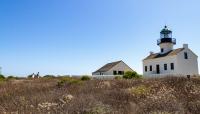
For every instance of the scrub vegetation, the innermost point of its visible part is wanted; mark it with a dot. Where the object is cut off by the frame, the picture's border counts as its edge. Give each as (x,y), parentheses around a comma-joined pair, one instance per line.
(66,95)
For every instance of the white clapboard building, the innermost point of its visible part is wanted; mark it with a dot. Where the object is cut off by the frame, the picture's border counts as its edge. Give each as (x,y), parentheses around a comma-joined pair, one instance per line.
(169,61)
(114,68)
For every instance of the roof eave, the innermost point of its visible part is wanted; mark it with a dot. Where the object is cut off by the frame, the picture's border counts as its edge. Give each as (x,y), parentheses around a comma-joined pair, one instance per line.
(161,57)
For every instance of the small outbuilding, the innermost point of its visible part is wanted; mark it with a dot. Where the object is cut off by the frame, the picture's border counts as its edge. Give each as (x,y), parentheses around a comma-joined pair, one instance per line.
(114,68)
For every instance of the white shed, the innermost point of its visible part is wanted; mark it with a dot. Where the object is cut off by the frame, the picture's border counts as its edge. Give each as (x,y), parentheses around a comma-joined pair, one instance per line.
(114,68)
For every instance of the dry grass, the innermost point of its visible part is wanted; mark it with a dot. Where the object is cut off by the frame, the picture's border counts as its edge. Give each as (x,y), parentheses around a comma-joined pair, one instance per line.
(169,95)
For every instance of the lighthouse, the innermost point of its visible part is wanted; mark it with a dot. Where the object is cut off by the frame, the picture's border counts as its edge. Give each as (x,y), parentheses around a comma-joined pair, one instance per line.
(169,61)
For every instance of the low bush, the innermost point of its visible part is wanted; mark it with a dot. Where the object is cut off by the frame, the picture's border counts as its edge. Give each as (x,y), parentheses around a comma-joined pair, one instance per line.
(29,76)
(49,76)
(131,75)
(118,77)
(85,78)
(68,80)
(2,78)
(165,95)
(139,90)
(11,78)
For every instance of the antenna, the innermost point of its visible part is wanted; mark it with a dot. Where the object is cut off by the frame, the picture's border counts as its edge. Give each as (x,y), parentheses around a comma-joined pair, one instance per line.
(165,23)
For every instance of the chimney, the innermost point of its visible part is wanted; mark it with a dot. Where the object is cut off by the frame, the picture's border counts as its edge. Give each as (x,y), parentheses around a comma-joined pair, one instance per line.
(185,46)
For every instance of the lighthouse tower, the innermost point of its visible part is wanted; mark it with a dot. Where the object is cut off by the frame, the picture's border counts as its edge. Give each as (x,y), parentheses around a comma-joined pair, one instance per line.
(166,42)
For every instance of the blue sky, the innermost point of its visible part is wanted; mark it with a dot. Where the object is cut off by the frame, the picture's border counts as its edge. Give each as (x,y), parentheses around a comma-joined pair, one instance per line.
(79,36)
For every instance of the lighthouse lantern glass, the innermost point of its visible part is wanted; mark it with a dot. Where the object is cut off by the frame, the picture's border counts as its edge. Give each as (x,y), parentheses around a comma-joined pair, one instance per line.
(166,35)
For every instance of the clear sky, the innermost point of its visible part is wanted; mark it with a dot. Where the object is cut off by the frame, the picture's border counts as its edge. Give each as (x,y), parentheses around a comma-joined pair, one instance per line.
(79,36)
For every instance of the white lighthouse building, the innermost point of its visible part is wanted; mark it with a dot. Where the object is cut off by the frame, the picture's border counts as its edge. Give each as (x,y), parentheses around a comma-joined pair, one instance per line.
(169,61)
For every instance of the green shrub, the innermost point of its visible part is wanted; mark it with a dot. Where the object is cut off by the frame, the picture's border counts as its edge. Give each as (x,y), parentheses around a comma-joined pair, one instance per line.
(140,90)
(68,80)
(85,78)
(49,76)
(131,75)
(60,83)
(118,77)
(29,76)
(2,78)
(63,80)
(11,78)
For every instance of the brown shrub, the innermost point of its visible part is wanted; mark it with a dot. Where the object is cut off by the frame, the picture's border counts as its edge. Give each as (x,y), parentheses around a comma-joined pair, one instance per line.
(155,95)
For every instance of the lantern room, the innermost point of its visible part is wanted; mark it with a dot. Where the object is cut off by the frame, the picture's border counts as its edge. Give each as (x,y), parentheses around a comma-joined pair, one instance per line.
(166,37)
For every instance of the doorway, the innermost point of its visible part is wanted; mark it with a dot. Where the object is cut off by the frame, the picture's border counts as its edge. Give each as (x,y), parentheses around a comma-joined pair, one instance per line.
(158,69)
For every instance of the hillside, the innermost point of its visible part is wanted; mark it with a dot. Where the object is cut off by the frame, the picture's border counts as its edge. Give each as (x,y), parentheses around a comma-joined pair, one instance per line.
(167,95)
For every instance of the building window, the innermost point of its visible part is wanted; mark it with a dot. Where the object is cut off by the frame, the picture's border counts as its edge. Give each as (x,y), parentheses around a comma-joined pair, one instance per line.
(162,49)
(185,55)
(165,66)
(114,72)
(172,66)
(145,68)
(158,69)
(150,68)
(120,72)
